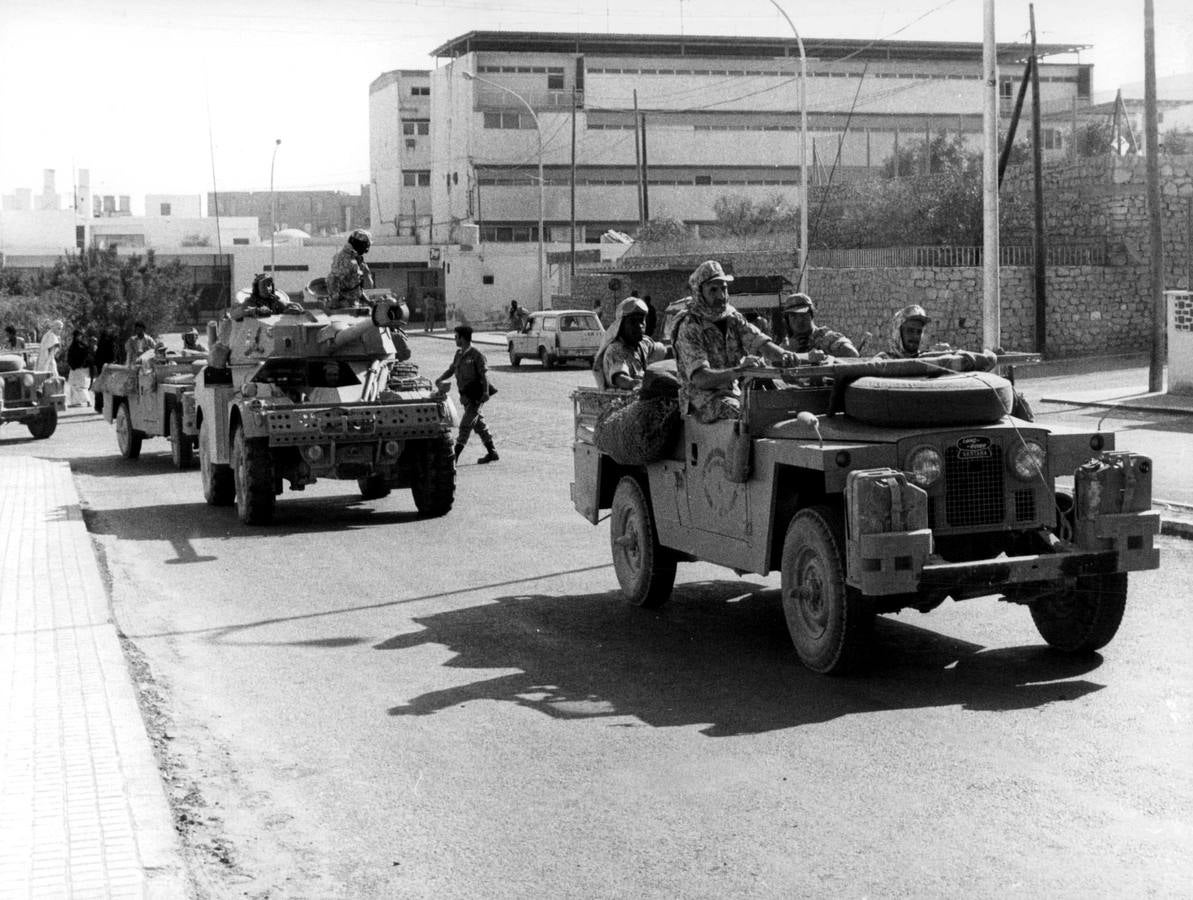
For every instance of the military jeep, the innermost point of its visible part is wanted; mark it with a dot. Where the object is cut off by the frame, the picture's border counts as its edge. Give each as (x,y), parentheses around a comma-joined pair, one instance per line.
(877,486)
(151,397)
(34,398)
(307,394)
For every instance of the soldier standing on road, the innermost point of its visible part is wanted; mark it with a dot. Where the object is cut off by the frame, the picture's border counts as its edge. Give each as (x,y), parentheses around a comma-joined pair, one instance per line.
(803,334)
(714,344)
(470,368)
(350,275)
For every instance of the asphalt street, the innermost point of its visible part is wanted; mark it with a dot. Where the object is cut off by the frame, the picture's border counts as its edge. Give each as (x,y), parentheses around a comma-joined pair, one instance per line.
(354,702)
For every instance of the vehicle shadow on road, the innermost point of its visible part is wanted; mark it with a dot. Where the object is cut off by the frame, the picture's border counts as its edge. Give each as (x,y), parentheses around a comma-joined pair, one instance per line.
(718,656)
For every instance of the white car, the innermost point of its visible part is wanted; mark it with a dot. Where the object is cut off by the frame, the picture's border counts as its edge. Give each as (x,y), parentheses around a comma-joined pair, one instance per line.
(555,336)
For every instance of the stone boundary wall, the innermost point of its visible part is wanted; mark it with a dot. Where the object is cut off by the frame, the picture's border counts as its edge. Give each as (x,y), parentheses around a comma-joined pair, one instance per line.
(1091,309)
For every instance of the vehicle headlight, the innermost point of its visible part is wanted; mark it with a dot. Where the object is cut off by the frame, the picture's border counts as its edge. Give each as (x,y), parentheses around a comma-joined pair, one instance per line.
(1028,461)
(924,466)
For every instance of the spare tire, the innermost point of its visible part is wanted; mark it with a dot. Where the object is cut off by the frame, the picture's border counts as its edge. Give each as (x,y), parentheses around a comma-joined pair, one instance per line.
(972,398)
(11,363)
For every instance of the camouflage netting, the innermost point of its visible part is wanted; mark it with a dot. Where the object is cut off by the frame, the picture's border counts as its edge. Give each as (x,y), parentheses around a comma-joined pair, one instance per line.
(636,431)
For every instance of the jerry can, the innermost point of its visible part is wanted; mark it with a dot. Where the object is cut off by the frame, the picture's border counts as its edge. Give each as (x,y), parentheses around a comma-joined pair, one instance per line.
(1112,499)
(887,535)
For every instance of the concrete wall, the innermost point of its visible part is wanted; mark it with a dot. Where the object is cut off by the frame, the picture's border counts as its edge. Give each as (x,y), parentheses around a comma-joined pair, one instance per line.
(1180,342)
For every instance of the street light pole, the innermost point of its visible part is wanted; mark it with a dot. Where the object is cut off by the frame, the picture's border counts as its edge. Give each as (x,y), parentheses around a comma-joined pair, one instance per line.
(469,76)
(803,151)
(273,208)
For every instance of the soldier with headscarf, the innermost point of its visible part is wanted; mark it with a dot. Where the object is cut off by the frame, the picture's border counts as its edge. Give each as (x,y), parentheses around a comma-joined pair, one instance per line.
(905,340)
(714,344)
(350,275)
(804,335)
(625,350)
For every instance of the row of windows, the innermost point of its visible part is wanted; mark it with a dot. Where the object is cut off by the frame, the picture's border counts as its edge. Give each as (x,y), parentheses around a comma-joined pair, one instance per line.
(420,90)
(416,178)
(416,127)
(686,181)
(758,73)
(508,120)
(526,70)
(509,234)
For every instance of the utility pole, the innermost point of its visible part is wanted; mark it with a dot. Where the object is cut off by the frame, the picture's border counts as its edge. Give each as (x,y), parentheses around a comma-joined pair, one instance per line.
(1151,132)
(1037,165)
(638,160)
(645,176)
(571,283)
(991,300)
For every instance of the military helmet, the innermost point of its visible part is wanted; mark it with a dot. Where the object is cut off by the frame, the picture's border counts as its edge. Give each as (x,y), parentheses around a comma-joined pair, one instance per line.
(360,240)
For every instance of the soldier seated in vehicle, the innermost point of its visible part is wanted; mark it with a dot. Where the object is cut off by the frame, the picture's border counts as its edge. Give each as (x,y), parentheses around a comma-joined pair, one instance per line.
(804,335)
(265,300)
(714,345)
(625,350)
(191,347)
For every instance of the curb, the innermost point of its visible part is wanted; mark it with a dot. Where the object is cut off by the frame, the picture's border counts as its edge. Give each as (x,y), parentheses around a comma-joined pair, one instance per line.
(1176,519)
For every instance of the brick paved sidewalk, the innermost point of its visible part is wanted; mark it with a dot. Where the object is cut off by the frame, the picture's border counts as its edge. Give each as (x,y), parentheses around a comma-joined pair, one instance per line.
(82,808)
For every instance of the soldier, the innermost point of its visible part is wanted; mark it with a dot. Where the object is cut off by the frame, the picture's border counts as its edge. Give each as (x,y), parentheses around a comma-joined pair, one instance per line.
(191,345)
(714,344)
(138,344)
(626,350)
(907,334)
(472,380)
(350,275)
(11,340)
(265,300)
(803,334)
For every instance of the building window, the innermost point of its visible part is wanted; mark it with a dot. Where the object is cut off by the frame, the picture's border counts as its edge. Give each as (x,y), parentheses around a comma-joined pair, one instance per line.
(486,279)
(237,240)
(416,127)
(507,120)
(509,234)
(555,79)
(411,143)
(420,91)
(1053,139)
(417,178)
(1006,89)
(165,209)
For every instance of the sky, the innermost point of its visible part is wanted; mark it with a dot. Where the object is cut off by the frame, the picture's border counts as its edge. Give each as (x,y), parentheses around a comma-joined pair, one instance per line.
(178,96)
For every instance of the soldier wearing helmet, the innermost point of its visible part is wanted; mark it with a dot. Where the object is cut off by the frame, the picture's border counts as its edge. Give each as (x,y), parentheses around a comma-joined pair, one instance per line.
(714,344)
(803,334)
(350,275)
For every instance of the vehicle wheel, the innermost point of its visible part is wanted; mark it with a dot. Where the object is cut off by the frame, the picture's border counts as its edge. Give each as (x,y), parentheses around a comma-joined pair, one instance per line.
(1084,618)
(182,451)
(219,488)
(547,359)
(434,484)
(515,359)
(645,569)
(972,398)
(128,439)
(373,487)
(44,425)
(252,471)
(829,621)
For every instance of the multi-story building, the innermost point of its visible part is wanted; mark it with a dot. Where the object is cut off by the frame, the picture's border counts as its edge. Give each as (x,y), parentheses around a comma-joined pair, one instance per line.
(400,154)
(704,116)
(315,212)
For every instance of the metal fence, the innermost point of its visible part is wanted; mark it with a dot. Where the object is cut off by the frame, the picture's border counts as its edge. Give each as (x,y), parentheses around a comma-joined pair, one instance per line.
(1091,254)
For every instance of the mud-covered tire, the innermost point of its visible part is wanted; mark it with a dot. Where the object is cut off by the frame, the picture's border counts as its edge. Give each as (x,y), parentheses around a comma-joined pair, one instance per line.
(970,398)
(252,474)
(515,359)
(128,439)
(44,425)
(182,451)
(219,489)
(373,487)
(645,569)
(829,622)
(434,483)
(1085,618)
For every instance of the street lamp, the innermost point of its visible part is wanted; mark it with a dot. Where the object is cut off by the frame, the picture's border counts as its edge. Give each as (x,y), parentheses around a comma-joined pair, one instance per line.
(803,151)
(469,76)
(273,208)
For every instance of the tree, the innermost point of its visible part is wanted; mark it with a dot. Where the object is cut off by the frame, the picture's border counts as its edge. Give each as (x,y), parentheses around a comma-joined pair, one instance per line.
(1094,139)
(739,216)
(663,231)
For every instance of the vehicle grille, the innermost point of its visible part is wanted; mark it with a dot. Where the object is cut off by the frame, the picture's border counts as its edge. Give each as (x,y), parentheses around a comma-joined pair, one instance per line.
(1025,505)
(973,488)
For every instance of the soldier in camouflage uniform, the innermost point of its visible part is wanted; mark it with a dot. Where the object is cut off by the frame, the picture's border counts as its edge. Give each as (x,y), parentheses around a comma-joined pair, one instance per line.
(625,350)
(803,334)
(714,344)
(350,275)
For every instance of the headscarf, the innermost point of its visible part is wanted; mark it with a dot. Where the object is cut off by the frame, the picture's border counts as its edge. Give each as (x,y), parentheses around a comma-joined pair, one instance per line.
(704,272)
(630,306)
(895,348)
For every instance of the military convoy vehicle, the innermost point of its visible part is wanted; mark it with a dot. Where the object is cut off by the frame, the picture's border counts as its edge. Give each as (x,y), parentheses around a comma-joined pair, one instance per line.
(153,397)
(34,398)
(308,394)
(877,486)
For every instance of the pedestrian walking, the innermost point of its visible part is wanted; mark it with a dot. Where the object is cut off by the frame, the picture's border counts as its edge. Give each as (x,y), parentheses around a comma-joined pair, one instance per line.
(49,347)
(78,362)
(472,381)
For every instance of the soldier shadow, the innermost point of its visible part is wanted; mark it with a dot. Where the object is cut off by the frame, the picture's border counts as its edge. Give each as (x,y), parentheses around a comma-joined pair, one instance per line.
(718,657)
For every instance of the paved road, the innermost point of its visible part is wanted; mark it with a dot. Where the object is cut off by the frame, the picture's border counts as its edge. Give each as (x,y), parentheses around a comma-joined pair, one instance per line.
(357,703)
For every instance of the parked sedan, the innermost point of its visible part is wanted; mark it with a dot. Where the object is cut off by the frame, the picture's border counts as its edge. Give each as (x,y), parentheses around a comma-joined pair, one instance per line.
(556,336)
